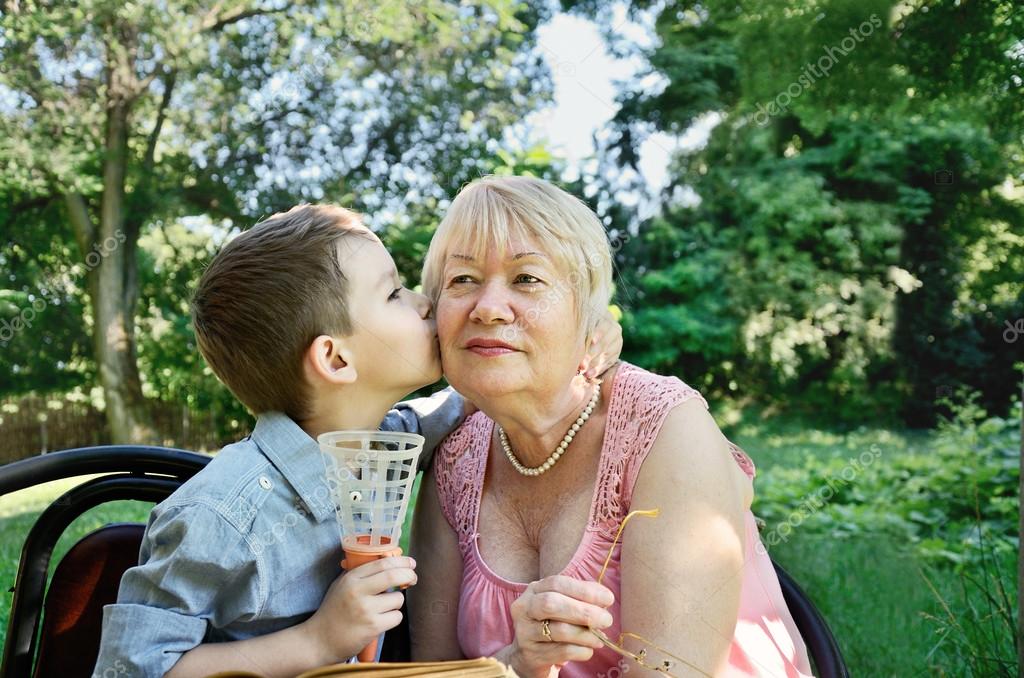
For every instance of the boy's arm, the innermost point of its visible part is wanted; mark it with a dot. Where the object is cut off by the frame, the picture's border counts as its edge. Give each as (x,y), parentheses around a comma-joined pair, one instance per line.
(195,569)
(433,418)
(285,653)
(359,606)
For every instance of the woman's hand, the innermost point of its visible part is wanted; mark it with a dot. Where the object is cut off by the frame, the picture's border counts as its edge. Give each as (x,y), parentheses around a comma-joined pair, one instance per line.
(605,347)
(569,606)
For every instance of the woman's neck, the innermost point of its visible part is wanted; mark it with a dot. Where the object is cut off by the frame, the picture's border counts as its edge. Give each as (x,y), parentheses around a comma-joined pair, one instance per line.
(535,424)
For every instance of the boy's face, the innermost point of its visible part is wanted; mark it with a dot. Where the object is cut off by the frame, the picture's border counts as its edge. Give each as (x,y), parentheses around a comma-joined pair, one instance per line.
(394,340)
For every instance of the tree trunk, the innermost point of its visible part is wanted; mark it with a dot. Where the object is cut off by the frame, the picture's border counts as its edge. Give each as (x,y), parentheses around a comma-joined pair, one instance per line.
(116,293)
(109,252)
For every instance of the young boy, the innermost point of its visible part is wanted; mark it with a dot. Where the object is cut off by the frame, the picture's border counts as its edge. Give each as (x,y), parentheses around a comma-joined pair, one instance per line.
(303,317)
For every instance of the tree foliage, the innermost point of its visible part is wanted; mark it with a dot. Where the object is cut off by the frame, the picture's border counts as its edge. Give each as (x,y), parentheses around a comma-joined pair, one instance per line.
(128,123)
(867,154)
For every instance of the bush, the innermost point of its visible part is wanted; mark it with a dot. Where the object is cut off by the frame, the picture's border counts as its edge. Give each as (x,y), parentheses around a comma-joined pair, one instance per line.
(949,498)
(942,499)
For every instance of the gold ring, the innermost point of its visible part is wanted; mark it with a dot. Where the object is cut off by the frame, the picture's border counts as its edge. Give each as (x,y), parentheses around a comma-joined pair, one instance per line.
(545,630)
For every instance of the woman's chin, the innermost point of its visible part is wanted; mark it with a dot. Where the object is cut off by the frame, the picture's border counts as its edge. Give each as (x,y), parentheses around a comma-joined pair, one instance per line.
(485,379)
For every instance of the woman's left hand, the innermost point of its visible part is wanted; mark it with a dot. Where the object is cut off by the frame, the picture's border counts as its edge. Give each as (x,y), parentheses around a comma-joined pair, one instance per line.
(605,347)
(551,621)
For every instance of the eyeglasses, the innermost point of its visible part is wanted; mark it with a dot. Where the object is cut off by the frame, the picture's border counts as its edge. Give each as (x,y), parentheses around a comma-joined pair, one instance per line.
(650,656)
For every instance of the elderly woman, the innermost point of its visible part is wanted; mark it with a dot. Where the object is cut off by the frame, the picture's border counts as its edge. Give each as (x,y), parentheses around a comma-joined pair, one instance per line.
(525,500)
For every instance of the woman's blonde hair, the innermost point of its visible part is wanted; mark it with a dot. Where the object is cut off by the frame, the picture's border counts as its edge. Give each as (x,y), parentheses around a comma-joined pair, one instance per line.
(488,212)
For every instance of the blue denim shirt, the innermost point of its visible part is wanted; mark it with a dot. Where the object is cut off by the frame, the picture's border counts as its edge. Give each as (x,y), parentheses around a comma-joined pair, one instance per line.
(246,547)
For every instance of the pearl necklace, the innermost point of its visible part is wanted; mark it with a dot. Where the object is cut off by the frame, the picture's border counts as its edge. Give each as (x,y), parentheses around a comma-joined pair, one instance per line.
(570,434)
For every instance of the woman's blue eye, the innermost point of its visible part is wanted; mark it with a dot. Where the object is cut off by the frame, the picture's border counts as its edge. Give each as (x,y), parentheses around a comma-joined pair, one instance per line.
(460,279)
(394,294)
(532,279)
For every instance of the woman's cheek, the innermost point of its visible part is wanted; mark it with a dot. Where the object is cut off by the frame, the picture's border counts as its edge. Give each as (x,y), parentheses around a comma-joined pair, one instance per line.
(449,311)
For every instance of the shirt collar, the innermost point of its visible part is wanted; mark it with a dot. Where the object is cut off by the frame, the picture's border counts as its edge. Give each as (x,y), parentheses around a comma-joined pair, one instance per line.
(299,459)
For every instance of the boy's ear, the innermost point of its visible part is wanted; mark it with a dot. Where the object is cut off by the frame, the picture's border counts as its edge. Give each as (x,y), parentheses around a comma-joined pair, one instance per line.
(330,359)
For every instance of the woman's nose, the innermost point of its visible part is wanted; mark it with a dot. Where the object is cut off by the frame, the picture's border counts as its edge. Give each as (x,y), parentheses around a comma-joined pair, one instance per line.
(492,305)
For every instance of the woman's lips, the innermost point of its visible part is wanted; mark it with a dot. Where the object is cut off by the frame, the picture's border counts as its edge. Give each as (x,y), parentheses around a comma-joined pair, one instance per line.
(491,351)
(489,347)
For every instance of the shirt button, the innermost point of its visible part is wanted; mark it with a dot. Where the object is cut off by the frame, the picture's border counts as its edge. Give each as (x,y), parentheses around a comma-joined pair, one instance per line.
(265,483)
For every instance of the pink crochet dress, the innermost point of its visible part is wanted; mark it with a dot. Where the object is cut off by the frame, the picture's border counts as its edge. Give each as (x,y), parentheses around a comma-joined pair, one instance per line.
(766,641)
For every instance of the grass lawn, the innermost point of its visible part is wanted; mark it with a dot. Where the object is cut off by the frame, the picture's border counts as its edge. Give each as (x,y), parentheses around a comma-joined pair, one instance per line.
(870,589)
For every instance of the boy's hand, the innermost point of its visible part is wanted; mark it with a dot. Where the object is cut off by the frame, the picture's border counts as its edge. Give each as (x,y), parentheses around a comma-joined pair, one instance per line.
(358,607)
(605,347)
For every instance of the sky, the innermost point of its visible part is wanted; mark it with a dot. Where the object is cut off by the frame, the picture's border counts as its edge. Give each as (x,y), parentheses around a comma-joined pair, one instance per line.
(584,77)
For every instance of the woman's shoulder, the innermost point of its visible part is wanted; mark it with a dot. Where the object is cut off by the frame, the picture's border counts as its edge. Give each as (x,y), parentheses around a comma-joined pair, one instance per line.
(641,405)
(653,392)
(676,392)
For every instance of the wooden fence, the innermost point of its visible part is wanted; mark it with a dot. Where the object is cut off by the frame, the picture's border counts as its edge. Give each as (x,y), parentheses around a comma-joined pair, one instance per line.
(34,424)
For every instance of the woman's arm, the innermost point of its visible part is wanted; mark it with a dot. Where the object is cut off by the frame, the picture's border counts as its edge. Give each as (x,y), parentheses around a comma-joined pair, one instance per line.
(682,570)
(434,601)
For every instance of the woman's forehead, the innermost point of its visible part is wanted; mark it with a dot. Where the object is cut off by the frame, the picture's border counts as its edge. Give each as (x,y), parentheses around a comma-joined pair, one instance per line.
(475,248)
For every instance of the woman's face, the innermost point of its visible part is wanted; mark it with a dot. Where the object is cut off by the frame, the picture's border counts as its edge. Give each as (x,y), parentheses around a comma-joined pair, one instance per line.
(507,323)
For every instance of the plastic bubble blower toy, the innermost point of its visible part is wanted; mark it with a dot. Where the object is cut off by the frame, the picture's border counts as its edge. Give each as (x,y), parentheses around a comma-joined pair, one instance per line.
(370,476)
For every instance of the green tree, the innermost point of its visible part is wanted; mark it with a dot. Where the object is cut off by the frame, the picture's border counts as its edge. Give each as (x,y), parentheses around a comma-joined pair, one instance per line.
(115,116)
(867,153)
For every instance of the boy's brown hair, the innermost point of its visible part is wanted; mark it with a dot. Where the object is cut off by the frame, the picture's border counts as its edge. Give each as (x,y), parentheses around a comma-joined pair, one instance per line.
(264,298)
